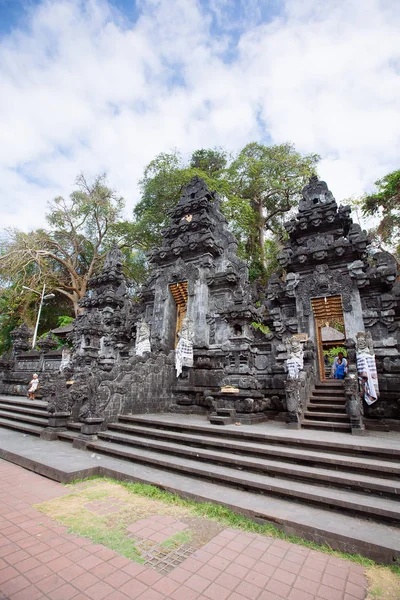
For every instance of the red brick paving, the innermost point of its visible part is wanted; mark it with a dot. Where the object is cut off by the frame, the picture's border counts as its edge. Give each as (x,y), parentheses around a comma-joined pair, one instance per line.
(39,560)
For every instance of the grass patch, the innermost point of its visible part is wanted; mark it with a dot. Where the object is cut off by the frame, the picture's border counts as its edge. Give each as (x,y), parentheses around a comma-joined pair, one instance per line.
(178,539)
(383,584)
(141,500)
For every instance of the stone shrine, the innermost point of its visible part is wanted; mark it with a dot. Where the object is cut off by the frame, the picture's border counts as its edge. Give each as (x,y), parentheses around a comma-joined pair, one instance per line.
(123,359)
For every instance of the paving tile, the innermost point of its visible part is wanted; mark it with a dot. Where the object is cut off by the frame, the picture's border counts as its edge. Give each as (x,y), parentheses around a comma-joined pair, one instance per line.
(99,591)
(248,590)
(117,579)
(65,592)
(278,587)
(28,593)
(38,573)
(84,581)
(284,576)
(258,579)
(103,570)
(197,583)
(48,584)
(167,585)
(335,582)
(306,585)
(133,569)
(328,593)
(71,573)
(237,570)
(133,588)
(149,577)
(116,595)
(180,574)
(184,593)
(295,594)
(151,595)
(216,592)
(227,580)
(8,573)
(14,585)
(209,572)
(355,590)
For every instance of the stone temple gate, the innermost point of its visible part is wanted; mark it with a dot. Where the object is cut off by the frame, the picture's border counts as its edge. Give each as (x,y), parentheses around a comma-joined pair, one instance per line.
(198,299)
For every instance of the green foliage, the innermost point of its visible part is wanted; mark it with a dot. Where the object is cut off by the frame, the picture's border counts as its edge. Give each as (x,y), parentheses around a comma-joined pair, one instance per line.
(161,186)
(64,320)
(333,352)
(385,204)
(10,317)
(67,254)
(263,328)
(265,183)
(257,188)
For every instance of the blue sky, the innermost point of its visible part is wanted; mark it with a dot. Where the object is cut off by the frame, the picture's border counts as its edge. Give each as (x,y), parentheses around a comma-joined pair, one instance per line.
(105,85)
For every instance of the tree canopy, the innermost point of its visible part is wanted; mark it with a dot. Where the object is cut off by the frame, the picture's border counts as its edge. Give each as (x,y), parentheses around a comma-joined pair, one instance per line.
(257,187)
(385,204)
(67,254)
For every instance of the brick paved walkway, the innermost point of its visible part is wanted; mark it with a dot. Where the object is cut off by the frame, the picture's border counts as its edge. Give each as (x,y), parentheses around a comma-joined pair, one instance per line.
(39,560)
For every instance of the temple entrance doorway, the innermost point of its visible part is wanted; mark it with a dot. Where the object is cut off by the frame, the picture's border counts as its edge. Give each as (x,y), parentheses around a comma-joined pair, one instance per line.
(180,294)
(329,326)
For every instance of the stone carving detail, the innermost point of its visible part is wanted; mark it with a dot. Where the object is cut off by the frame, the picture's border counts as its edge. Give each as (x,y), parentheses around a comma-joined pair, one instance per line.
(21,338)
(324,282)
(295,360)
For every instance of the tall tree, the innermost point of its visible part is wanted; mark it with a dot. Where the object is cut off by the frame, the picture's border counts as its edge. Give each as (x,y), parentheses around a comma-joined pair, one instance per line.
(265,183)
(385,204)
(257,187)
(67,254)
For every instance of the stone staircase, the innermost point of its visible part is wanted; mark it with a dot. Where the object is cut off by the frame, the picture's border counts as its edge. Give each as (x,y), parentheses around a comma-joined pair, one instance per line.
(326,408)
(22,414)
(360,481)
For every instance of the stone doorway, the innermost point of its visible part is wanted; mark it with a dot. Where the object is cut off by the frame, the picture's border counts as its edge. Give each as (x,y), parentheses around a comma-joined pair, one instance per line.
(328,312)
(180,294)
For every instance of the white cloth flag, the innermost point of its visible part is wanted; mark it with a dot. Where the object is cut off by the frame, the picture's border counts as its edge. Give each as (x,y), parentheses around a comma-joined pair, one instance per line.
(183,355)
(366,367)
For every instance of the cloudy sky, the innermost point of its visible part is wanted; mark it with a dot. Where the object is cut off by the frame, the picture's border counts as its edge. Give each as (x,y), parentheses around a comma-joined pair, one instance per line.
(105,85)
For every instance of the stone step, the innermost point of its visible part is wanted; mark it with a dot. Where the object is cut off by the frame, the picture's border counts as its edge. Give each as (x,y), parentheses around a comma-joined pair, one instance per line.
(323,476)
(306,456)
(341,531)
(24,418)
(19,426)
(334,393)
(248,434)
(327,426)
(326,416)
(339,408)
(219,420)
(24,410)
(226,412)
(329,383)
(328,399)
(349,501)
(23,401)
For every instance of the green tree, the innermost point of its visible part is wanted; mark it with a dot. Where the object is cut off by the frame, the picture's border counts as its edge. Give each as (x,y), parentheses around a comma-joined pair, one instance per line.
(257,188)
(385,204)
(69,252)
(265,182)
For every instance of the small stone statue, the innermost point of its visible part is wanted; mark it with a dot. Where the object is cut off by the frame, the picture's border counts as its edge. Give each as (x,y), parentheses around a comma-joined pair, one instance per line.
(295,360)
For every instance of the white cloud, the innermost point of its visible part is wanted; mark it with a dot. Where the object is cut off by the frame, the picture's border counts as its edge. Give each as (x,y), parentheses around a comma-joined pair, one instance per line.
(83,90)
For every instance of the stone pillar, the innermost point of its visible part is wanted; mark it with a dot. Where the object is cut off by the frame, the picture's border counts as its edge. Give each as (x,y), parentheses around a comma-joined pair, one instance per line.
(90,428)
